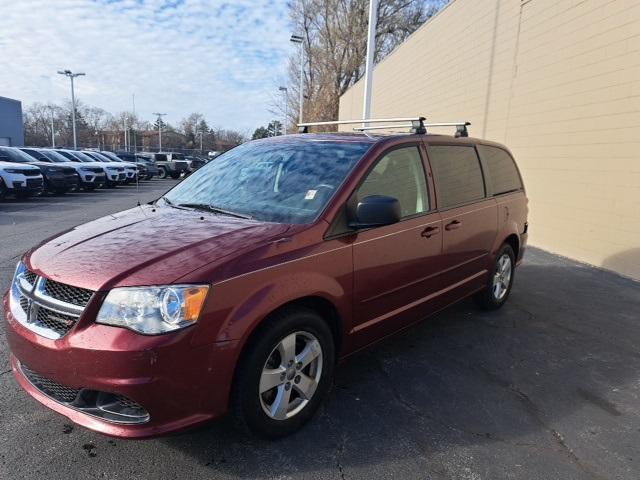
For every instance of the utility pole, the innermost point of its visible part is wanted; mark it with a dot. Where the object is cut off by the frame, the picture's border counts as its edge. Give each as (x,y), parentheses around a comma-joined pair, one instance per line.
(124,125)
(135,143)
(71,75)
(160,115)
(299,40)
(286,109)
(371,50)
(200,133)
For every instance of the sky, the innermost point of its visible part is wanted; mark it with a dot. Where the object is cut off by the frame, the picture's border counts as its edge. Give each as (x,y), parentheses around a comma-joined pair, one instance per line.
(224,59)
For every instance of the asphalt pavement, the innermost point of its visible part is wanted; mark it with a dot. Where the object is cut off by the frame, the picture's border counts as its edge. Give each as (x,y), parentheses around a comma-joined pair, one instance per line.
(546,388)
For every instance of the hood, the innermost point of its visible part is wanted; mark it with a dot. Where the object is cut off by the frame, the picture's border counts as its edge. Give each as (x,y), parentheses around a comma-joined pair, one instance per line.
(25,166)
(145,246)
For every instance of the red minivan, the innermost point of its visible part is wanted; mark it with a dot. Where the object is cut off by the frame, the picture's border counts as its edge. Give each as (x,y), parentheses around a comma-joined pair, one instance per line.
(258,273)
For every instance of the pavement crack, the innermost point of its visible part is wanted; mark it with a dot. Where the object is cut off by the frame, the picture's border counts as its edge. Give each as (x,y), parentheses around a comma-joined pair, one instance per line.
(6,371)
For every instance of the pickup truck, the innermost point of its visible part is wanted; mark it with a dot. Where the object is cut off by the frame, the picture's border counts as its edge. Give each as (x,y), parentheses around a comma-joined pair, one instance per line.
(169,164)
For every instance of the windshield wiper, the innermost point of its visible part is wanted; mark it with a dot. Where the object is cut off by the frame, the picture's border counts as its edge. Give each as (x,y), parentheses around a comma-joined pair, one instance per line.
(211,208)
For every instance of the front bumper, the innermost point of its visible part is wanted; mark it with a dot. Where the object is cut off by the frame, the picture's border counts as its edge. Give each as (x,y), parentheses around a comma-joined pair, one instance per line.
(178,384)
(92,179)
(63,182)
(26,185)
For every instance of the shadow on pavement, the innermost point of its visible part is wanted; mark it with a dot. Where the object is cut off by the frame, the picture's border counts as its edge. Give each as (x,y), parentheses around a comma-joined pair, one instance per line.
(548,384)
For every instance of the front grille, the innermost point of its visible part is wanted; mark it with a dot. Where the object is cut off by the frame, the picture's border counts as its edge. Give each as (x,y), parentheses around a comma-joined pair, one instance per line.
(34,182)
(30,277)
(49,387)
(52,320)
(24,304)
(67,293)
(69,171)
(96,170)
(31,173)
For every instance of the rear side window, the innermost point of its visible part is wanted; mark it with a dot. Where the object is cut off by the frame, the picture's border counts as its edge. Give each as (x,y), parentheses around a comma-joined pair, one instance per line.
(457,174)
(501,170)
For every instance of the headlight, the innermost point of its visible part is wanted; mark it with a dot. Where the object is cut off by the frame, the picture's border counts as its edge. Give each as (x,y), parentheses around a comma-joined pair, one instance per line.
(13,170)
(153,310)
(86,170)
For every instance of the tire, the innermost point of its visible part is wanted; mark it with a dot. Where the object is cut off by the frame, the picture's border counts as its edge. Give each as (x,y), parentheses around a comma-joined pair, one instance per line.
(162,172)
(3,190)
(250,408)
(175,176)
(499,282)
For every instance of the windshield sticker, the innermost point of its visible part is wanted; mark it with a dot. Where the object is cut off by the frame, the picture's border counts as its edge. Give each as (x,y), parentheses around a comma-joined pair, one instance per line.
(311,194)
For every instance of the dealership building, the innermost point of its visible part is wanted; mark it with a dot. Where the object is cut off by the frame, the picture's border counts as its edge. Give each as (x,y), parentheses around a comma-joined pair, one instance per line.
(558,82)
(11,129)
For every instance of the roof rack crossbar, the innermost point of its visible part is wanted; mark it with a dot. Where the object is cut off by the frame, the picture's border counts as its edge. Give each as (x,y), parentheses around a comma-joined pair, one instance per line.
(416,123)
(382,127)
(461,127)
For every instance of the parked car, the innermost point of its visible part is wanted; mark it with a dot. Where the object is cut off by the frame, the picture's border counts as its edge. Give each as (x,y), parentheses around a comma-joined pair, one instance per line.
(255,275)
(114,174)
(142,171)
(147,163)
(130,169)
(57,178)
(90,177)
(195,163)
(54,179)
(169,164)
(19,180)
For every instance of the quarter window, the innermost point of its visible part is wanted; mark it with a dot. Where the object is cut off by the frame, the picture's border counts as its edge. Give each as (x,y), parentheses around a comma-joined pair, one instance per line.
(501,170)
(399,174)
(457,174)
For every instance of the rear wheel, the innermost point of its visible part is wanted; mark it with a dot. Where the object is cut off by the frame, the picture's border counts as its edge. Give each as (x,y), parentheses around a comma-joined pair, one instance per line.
(162,172)
(285,375)
(500,280)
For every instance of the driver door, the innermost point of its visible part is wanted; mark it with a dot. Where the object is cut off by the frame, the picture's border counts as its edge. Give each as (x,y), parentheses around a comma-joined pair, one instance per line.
(396,266)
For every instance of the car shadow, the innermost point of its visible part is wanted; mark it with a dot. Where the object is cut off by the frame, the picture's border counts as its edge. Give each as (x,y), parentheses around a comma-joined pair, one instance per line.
(521,382)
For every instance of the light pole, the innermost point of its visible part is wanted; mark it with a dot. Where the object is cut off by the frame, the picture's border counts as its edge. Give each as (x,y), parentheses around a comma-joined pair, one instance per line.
(200,133)
(371,50)
(124,126)
(71,75)
(298,39)
(53,132)
(160,115)
(286,108)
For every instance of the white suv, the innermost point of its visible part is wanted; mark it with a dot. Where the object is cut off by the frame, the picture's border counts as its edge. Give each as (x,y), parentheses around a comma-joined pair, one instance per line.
(20,180)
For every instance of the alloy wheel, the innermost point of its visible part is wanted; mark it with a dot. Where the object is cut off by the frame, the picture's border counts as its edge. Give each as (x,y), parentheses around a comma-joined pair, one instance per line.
(502,277)
(290,375)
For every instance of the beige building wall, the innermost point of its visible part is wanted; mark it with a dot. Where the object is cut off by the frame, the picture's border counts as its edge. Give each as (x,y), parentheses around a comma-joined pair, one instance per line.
(557,81)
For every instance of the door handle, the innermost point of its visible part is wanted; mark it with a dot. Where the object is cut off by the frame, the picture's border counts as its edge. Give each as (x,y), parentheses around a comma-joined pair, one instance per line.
(430,231)
(453,225)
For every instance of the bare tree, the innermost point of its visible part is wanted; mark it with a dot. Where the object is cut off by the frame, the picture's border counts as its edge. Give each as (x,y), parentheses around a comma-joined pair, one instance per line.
(335,41)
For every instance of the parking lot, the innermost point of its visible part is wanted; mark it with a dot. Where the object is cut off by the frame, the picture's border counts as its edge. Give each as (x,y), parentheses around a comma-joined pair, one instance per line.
(547,387)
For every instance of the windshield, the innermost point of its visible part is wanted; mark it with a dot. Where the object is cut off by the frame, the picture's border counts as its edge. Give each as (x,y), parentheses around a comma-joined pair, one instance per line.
(16,155)
(54,156)
(273,182)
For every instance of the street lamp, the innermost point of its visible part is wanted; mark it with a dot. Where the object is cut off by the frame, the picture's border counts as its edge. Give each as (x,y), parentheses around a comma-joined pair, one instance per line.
(71,75)
(298,39)
(160,115)
(286,109)
(53,132)
(200,133)
(371,49)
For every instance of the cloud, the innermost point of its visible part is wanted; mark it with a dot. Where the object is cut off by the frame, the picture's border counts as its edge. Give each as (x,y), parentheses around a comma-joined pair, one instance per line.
(222,59)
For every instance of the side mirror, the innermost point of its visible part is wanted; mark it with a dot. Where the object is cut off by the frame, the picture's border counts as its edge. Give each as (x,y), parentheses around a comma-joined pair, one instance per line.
(375,211)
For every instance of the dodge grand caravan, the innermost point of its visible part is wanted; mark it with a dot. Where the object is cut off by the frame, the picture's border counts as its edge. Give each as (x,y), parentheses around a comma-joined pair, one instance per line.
(257,274)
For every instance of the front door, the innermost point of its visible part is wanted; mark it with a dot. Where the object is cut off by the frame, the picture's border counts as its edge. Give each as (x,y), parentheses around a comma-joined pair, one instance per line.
(396,266)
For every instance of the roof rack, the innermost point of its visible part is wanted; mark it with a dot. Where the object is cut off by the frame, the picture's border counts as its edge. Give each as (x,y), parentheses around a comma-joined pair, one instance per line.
(416,125)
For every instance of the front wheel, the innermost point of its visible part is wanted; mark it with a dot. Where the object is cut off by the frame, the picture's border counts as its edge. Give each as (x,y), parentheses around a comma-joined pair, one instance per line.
(500,280)
(162,172)
(285,374)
